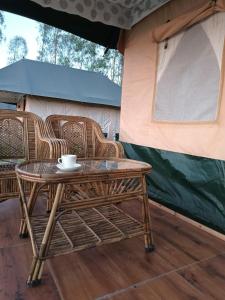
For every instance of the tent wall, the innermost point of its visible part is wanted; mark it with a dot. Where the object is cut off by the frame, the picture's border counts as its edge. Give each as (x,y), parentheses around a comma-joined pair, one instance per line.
(187,177)
(191,185)
(107,117)
(138,90)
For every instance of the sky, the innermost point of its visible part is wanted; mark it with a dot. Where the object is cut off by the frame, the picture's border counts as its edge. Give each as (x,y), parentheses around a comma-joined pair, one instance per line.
(17,25)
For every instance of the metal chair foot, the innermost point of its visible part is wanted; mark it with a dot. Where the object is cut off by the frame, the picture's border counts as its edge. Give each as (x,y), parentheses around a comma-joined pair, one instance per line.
(151,248)
(34,283)
(24,235)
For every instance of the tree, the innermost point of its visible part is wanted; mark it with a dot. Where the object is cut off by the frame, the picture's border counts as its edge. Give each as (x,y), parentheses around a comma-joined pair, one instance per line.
(63,48)
(59,47)
(49,39)
(2,23)
(114,61)
(17,49)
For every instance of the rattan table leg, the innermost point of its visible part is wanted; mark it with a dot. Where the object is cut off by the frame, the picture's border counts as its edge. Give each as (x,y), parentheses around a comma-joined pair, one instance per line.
(23,205)
(148,236)
(51,195)
(38,262)
(21,211)
(34,278)
(30,206)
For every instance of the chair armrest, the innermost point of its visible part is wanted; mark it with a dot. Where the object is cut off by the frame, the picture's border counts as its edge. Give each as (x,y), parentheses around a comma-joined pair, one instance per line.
(121,150)
(106,148)
(52,147)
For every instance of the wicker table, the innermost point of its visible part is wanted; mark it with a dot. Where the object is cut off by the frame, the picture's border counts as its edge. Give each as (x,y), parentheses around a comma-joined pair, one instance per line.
(85,211)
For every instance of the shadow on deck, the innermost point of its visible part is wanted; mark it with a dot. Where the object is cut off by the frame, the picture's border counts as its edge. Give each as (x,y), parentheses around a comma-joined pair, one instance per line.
(187,264)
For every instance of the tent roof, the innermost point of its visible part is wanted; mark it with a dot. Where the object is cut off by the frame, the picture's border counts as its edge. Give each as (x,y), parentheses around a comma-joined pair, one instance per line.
(120,13)
(7,106)
(44,79)
(98,21)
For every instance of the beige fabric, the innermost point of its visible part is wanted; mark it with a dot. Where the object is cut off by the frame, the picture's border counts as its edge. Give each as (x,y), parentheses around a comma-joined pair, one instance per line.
(119,13)
(136,127)
(107,117)
(188,74)
(184,21)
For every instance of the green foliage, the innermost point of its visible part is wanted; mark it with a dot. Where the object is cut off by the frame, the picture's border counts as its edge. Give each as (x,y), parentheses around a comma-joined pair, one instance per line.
(2,25)
(17,49)
(59,47)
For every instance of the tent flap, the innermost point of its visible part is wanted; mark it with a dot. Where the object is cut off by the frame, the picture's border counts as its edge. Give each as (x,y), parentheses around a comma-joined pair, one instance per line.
(182,22)
(120,13)
(191,185)
(184,90)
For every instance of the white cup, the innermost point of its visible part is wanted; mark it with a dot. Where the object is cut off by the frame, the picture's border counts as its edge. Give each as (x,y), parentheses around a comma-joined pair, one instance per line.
(67,160)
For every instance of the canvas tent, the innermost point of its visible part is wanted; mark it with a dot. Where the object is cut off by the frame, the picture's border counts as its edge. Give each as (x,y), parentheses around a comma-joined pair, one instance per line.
(47,89)
(86,18)
(4,105)
(179,128)
(173,101)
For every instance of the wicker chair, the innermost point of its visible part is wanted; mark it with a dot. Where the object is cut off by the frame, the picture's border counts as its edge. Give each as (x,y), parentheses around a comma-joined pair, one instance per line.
(23,136)
(83,136)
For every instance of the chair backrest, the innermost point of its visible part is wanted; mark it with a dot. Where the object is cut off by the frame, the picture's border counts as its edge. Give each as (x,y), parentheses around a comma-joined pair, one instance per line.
(19,134)
(81,133)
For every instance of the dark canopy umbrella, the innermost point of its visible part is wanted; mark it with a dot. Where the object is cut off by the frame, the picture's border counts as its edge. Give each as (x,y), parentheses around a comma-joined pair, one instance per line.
(105,35)
(99,21)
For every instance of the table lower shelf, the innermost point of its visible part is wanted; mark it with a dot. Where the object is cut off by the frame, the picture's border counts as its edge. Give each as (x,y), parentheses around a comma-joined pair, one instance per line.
(84,228)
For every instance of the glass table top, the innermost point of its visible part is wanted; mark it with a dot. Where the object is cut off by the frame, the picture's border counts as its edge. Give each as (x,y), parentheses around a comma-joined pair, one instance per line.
(48,168)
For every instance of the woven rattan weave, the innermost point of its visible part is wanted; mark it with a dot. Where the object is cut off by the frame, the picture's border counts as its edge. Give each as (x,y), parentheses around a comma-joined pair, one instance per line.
(84,136)
(85,210)
(23,136)
(87,227)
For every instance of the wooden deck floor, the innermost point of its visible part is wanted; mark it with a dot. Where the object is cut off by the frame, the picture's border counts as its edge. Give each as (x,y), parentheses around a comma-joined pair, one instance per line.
(187,264)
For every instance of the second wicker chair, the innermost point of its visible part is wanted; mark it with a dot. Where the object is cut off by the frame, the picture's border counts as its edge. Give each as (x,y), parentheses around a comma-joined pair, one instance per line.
(84,137)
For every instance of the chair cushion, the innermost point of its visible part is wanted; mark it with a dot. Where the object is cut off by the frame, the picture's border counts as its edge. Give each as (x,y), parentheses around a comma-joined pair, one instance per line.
(9,164)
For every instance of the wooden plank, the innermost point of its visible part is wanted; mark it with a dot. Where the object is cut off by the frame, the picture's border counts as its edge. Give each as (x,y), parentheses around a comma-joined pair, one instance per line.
(188,220)
(114,266)
(170,287)
(179,233)
(15,265)
(208,277)
(198,244)
(203,280)
(117,266)
(115,269)
(95,272)
(10,224)
(145,293)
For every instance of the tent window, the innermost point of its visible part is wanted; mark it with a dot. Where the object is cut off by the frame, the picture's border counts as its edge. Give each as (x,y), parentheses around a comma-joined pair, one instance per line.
(188,74)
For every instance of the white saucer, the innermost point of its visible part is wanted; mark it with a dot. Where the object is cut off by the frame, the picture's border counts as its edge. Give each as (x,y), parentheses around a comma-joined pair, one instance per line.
(72,168)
